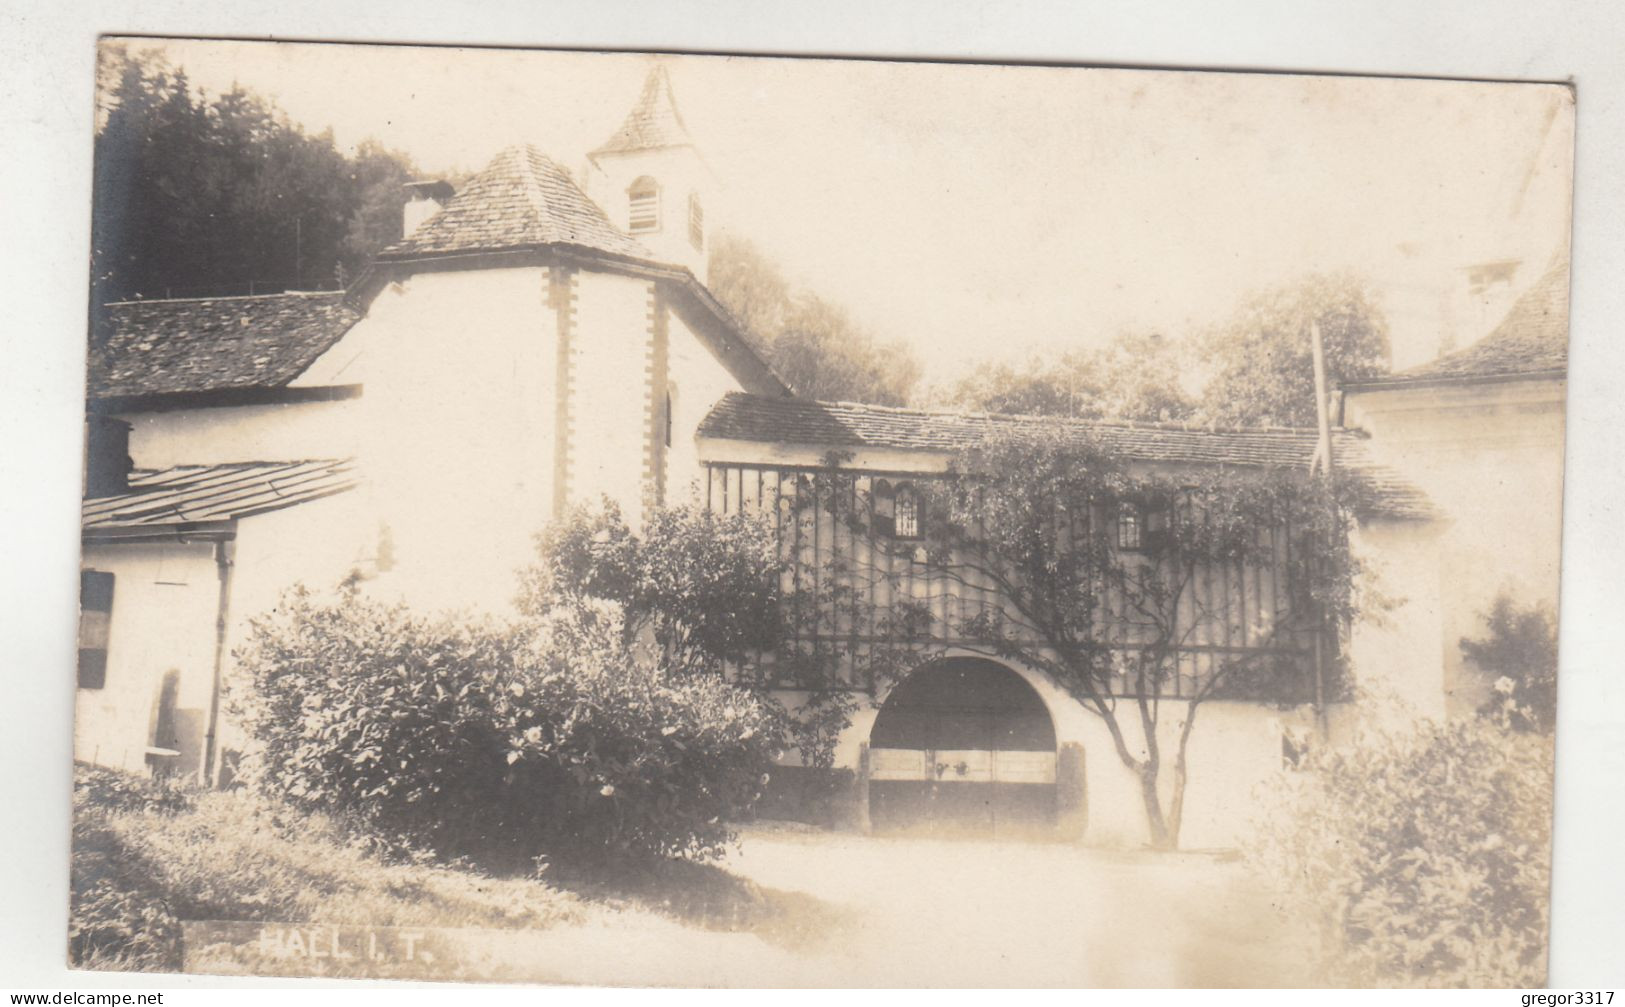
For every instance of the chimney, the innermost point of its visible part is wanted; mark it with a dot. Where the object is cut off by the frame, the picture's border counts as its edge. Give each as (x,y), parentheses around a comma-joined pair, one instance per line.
(423,200)
(107,456)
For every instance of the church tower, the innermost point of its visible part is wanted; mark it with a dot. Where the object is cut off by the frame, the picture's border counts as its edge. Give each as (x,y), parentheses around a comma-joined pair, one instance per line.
(651,180)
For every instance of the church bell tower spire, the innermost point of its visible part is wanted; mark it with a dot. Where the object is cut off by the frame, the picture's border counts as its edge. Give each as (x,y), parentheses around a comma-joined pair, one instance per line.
(651,180)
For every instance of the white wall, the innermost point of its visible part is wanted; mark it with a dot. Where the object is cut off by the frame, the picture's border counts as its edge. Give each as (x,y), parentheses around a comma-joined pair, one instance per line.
(286,432)
(165,600)
(1396,645)
(701,382)
(1490,455)
(165,606)
(457,429)
(611,351)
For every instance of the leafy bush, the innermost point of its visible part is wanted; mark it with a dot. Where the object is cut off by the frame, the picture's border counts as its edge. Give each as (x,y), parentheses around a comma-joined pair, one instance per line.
(1424,859)
(96,787)
(1519,653)
(705,585)
(706,590)
(501,740)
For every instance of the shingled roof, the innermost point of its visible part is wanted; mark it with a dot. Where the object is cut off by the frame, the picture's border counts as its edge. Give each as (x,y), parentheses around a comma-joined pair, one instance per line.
(654,121)
(846,425)
(1531,341)
(522,200)
(197,494)
(207,344)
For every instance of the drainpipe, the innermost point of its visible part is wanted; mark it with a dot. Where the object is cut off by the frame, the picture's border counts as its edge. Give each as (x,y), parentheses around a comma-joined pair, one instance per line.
(210,772)
(1323,456)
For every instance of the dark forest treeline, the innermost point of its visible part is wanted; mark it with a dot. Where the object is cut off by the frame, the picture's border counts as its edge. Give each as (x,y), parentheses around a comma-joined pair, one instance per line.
(201,195)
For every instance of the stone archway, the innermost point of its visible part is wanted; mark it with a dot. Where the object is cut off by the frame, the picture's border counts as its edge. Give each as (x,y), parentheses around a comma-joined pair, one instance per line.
(963,744)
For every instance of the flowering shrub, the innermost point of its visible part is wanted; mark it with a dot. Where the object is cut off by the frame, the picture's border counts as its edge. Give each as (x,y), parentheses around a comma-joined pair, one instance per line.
(472,737)
(1424,859)
(1519,653)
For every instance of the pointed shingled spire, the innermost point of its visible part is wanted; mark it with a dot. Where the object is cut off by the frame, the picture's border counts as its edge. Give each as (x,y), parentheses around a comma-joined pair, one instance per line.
(654,121)
(522,199)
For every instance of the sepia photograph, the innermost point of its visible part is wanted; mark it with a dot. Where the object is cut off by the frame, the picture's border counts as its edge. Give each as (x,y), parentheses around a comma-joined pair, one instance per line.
(624,519)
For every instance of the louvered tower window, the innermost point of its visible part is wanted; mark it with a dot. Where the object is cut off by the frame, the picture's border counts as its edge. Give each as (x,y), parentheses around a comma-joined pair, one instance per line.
(643,206)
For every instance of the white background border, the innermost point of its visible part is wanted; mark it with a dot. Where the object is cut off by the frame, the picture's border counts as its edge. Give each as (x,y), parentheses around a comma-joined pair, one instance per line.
(46,62)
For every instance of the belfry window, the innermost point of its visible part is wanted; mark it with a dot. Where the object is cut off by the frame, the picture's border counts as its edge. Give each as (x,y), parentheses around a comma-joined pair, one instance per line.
(643,206)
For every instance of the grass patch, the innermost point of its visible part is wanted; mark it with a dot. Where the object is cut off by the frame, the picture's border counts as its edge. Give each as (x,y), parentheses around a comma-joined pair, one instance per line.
(146,857)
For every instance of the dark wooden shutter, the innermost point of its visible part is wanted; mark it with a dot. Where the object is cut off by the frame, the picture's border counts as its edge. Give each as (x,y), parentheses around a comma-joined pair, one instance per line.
(95,625)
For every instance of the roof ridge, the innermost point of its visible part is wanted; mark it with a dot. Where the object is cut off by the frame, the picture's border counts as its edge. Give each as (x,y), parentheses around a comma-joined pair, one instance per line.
(250,463)
(1169,425)
(806,423)
(538,162)
(228,297)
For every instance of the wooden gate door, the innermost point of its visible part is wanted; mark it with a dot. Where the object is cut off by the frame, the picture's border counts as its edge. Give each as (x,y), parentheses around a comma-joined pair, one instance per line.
(963,745)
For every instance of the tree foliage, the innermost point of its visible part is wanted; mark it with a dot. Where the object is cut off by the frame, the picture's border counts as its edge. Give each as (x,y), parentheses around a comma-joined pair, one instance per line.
(1518,651)
(811,342)
(1137,376)
(1261,358)
(197,194)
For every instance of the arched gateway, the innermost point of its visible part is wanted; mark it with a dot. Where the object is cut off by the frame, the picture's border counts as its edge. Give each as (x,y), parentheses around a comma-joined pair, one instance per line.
(963,744)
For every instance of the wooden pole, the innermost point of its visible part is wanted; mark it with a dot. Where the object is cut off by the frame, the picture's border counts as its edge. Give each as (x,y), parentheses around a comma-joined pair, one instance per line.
(1322,409)
(861,791)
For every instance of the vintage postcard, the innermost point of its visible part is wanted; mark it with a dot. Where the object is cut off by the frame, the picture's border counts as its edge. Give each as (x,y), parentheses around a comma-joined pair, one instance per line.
(615,519)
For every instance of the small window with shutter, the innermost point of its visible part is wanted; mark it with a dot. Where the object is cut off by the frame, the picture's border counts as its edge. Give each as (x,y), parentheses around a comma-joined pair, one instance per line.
(696,222)
(643,213)
(95,625)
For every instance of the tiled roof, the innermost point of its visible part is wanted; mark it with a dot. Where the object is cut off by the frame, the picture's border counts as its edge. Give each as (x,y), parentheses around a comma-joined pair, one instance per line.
(186,494)
(653,122)
(836,425)
(1532,339)
(206,344)
(521,200)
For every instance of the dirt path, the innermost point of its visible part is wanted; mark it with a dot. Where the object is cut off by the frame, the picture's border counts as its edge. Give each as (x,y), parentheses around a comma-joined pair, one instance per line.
(948,912)
(844,910)
(832,909)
